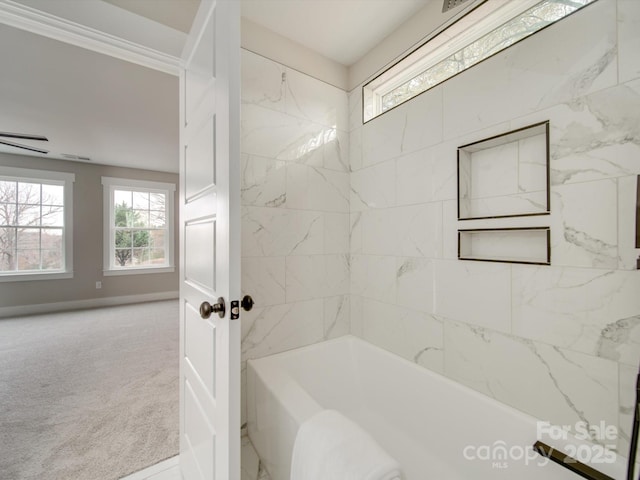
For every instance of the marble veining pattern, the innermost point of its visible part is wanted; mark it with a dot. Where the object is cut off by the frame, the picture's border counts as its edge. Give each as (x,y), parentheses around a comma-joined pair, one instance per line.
(620,341)
(596,136)
(539,379)
(357,224)
(560,342)
(572,307)
(295,209)
(584,224)
(416,336)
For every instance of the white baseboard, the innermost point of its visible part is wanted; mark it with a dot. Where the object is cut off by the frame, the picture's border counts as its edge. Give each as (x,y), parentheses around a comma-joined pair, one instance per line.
(80,304)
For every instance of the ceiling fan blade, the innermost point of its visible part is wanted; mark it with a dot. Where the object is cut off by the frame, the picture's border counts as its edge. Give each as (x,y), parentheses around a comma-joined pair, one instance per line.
(24,147)
(24,136)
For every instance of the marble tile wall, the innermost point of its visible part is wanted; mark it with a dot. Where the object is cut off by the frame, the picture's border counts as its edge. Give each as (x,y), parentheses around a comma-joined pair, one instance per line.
(295,208)
(560,342)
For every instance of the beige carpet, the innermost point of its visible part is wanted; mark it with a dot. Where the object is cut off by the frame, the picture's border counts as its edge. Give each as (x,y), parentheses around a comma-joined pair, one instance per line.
(89,395)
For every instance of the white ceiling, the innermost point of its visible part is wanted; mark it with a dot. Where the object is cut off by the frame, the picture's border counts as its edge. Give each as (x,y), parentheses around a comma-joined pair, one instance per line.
(87,104)
(120,113)
(176,14)
(342,30)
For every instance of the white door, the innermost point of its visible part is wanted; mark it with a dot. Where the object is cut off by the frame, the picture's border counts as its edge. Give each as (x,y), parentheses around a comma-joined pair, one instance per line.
(210,244)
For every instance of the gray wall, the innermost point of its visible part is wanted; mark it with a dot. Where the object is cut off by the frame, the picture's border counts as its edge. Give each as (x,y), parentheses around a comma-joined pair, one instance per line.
(87,241)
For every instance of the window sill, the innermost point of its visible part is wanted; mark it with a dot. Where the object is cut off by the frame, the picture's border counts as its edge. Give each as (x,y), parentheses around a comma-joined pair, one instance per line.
(36,276)
(137,271)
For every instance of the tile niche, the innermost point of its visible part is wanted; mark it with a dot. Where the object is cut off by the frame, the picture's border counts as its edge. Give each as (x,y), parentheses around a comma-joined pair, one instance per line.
(505,177)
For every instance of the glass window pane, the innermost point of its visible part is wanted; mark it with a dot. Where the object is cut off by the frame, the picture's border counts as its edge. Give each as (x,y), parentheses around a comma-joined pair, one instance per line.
(122,197)
(8,191)
(29,193)
(7,249)
(28,215)
(28,238)
(156,219)
(52,216)
(28,259)
(141,238)
(7,213)
(158,257)
(51,239)
(157,201)
(51,259)
(123,257)
(52,248)
(27,206)
(124,238)
(157,239)
(140,256)
(141,218)
(52,195)
(141,200)
(140,227)
(123,216)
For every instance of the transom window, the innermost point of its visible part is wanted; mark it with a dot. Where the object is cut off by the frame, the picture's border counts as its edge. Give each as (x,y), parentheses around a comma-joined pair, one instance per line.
(484,31)
(35,224)
(139,226)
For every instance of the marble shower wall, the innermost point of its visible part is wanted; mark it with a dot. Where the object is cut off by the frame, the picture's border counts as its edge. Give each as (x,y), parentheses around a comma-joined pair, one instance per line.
(560,342)
(295,208)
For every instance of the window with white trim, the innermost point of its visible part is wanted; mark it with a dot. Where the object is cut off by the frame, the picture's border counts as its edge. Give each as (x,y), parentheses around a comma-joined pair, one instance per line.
(485,30)
(36,217)
(139,219)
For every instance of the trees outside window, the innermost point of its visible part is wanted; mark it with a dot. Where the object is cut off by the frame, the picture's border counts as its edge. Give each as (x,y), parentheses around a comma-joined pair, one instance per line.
(139,226)
(129,241)
(34,222)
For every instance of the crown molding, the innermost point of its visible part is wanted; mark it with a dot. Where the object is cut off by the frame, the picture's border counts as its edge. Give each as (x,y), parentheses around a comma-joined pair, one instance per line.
(51,26)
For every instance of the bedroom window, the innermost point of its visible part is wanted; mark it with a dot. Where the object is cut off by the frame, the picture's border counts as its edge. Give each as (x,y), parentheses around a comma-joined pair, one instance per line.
(485,30)
(35,224)
(138,227)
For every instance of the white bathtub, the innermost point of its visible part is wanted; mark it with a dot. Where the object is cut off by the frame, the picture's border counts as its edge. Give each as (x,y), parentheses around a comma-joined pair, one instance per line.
(436,428)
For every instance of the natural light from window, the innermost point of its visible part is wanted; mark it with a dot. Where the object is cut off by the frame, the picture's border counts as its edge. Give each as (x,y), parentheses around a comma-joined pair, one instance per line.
(34,222)
(485,31)
(140,225)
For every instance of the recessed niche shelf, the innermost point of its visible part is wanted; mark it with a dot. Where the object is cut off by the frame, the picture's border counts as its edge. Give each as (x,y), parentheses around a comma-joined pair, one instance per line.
(510,245)
(506,175)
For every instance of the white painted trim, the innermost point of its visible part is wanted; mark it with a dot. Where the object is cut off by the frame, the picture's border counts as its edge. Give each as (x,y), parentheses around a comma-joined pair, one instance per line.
(154,469)
(30,173)
(36,276)
(45,176)
(141,184)
(109,185)
(137,271)
(81,304)
(422,26)
(42,23)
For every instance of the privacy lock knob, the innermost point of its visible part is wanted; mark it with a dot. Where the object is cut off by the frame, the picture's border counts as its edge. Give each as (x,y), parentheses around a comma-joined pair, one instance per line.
(247,303)
(206,309)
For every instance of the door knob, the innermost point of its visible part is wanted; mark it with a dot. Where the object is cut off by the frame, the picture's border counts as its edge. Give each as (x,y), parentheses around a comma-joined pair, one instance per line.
(247,303)
(206,309)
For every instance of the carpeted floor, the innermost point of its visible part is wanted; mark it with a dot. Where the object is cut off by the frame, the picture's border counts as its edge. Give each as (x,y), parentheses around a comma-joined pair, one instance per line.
(89,395)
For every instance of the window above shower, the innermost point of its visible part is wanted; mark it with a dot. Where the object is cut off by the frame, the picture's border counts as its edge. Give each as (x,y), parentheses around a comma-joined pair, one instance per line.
(489,28)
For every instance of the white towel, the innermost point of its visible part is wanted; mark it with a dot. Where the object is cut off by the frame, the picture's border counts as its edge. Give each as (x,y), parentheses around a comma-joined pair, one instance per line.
(329,446)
